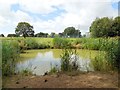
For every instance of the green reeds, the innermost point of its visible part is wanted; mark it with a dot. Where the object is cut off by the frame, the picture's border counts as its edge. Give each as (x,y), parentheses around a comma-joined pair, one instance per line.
(10,53)
(66,64)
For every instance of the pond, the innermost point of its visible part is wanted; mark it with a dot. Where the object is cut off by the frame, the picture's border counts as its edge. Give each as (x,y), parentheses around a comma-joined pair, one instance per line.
(41,61)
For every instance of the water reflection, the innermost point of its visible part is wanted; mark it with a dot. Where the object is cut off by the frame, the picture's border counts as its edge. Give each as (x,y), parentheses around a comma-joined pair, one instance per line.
(44,60)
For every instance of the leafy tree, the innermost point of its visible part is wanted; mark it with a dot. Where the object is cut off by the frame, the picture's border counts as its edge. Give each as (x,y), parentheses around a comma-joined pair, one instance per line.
(71,32)
(41,34)
(77,33)
(11,35)
(2,35)
(115,27)
(60,34)
(105,27)
(52,34)
(101,27)
(25,29)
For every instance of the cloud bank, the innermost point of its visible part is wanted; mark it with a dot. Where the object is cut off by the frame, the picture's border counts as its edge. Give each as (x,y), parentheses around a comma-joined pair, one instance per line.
(54,15)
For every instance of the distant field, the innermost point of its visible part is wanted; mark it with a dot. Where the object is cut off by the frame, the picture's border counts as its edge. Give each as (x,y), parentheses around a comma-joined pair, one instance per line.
(48,41)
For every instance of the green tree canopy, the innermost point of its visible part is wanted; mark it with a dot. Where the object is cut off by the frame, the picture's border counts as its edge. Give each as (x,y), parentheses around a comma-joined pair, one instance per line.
(105,27)
(52,34)
(71,32)
(41,34)
(100,27)
(116,26)
(2,35)
(25,29)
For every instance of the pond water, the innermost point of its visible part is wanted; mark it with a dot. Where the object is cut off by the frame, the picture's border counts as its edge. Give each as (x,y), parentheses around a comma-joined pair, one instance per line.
(41,61)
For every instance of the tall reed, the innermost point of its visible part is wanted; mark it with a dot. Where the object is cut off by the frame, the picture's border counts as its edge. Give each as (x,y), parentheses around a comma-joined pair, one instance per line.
(10,53)
(67,64)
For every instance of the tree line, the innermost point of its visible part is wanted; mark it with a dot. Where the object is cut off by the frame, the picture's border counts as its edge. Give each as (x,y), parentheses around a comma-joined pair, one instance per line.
(100,27)
(105,27)
(26,30)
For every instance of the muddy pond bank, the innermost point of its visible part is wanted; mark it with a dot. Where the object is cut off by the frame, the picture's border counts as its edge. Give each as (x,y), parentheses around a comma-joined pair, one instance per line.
(82,80)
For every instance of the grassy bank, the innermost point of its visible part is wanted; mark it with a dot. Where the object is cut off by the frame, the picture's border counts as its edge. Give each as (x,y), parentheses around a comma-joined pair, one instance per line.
(12,47)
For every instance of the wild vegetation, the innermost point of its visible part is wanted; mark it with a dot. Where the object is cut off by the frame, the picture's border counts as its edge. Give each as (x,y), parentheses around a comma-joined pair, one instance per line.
(109,59)
(104,27)
(69,63)
(10,54)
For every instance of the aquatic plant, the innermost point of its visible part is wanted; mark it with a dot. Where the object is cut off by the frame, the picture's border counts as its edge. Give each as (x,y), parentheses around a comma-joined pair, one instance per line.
(66,64)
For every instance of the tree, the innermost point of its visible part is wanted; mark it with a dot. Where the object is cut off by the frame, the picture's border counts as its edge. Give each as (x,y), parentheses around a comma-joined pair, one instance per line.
(25,29)
(60,34)
(41,34)
(2,35)
(115,27)
(77,33)
(101,27)
(52,34)
(71,32)
(11,35)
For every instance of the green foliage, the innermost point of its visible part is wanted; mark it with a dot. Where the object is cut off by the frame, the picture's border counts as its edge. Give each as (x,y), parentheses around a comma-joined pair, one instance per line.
(12,47)
(115,27)
(72,32)
(26,72)
(10,53)
(11,35)
(113,52)
(100,63)
(25,29)
(109,45)
(41,34)
(52,35)
(105,27)
(2,35)
(61,43)
(31,43)
(34,43)
(66,64)
(53,70)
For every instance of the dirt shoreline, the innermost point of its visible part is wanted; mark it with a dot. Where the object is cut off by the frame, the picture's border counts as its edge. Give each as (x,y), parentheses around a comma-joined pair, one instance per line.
(83,80)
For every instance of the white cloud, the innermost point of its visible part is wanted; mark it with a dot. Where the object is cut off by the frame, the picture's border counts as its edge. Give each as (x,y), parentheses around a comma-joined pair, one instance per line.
(79,14)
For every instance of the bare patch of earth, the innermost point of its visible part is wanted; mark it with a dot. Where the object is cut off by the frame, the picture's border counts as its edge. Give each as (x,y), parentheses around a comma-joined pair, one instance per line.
(83,80)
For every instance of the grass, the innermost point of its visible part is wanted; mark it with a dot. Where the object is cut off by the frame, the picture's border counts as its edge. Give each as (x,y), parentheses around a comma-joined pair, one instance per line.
(10,54)
(11,47)
(61,43)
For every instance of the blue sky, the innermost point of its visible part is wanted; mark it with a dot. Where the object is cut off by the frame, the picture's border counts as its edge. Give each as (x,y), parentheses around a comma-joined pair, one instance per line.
(55,15)
(46,17)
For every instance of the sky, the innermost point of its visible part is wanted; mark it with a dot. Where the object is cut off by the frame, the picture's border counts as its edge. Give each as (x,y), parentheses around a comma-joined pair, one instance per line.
(54,15)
